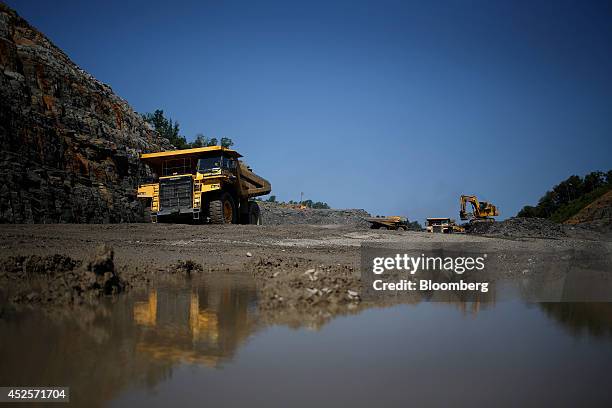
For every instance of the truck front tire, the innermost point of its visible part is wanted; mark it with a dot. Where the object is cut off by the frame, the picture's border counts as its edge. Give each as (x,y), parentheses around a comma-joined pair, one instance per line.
(223,210)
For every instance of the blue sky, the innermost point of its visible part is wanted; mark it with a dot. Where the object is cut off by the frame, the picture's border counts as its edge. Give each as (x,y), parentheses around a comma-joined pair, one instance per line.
(396,107)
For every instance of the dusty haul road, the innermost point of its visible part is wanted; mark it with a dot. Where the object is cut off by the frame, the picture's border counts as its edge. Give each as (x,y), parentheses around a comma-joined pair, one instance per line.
(300,271)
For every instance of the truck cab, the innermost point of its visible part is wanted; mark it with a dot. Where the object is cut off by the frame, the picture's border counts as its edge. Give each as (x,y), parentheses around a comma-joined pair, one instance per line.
(205,184)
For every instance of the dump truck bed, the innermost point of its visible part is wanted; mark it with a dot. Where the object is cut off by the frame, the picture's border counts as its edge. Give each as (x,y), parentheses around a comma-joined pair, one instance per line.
(252,184)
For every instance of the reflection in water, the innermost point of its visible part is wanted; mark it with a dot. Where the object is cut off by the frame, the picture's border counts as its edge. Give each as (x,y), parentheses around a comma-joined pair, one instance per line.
(145,313)
(203,326)
(471,308)
(579,318)
(138,341)
(134,341)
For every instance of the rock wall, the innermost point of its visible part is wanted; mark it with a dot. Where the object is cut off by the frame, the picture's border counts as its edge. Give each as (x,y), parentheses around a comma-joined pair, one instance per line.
(68,145)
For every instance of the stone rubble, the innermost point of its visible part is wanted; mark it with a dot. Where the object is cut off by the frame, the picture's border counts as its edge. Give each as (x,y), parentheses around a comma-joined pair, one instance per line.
(276,214)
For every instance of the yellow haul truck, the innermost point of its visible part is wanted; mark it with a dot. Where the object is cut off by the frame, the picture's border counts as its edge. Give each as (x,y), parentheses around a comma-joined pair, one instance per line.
(394,222)
(205,184)
(443,225)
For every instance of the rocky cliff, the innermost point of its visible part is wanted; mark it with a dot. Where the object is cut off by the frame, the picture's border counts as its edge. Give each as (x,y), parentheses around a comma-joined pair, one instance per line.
(68,145)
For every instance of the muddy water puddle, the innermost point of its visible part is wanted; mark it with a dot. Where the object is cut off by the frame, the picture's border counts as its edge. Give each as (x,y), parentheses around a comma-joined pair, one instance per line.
(203,344)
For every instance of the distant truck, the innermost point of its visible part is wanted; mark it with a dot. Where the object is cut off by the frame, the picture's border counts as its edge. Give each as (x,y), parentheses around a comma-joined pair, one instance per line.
(204,184)
(443,225)
(391,223)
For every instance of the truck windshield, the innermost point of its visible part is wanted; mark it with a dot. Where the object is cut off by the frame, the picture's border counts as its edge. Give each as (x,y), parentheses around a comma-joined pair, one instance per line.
(210,163)
(173,167)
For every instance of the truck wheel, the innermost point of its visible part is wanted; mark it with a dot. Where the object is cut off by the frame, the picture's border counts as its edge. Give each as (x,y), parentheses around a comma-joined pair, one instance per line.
(402,228)
(254,213)
(147,215)
(223,210)
(374,226)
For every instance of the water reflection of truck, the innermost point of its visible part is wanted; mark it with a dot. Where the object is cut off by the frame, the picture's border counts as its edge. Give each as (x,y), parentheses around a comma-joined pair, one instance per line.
(443,225)
(202,326)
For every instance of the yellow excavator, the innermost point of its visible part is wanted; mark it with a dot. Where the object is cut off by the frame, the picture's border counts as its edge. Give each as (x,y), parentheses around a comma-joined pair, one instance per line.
(482,210)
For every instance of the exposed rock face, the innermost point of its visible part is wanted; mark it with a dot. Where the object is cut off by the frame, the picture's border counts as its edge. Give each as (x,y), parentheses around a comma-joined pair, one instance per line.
(597,215)
(68,145)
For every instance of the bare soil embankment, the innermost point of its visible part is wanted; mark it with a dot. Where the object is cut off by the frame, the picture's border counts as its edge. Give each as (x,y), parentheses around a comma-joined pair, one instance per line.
(597,215)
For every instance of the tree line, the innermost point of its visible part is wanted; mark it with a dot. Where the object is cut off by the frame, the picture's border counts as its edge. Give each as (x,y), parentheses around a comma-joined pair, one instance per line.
(170,129)
(570,196)
(306,203)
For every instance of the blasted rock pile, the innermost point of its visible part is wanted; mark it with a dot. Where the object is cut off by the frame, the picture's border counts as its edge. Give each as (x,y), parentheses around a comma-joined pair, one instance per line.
(276,214)
(519,227)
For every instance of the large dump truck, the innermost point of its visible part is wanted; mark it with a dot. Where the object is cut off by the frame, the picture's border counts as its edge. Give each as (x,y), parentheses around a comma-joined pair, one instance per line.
(443,225)
(204,184)
(394,222)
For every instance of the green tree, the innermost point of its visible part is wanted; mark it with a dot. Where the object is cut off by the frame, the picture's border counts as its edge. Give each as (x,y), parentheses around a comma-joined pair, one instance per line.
(593,181)
(166,128)
(414,226)
(570,196)
(568,190)
(271,199)
(200,141)
(203,141)
(320,205)
(226,142)
(528,211)
(170,129)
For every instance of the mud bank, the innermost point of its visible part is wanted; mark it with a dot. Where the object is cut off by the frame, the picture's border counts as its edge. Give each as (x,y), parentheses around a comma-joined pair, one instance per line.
(59,279)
